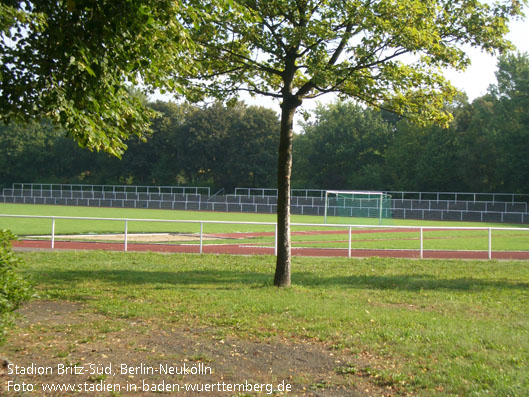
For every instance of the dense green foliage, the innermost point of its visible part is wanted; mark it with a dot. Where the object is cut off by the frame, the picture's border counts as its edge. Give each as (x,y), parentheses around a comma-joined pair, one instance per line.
(341,148)
(214,146)
(72,62)
(13,289)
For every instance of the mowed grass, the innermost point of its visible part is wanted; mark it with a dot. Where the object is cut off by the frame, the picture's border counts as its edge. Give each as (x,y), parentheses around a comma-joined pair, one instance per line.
(517,240)
(43,226)
(422,327)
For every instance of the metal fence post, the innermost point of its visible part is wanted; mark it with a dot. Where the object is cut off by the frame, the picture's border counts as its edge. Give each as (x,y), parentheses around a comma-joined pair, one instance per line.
(490,243)
(349,251)
(422,245)
(126,233)
(201,230)
(52,233)
(275,240)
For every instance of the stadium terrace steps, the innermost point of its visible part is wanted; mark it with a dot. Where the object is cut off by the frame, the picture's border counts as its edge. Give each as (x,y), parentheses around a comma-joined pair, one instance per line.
(453,210)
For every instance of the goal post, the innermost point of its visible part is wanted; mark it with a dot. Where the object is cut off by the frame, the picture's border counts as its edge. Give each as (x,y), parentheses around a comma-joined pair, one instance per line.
(357,204)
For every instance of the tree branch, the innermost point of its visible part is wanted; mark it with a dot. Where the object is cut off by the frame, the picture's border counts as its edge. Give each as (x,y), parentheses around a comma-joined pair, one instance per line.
(221,73)
(277,37)
(397,53)
(248,61)
(253,90)
(343,43)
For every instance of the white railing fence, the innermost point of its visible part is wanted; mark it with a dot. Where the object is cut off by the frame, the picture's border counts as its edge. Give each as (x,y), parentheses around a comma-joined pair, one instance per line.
(350,228)
(127,220)
(58,187)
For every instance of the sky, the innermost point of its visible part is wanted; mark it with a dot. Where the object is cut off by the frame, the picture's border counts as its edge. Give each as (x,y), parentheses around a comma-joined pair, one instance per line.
(480,74)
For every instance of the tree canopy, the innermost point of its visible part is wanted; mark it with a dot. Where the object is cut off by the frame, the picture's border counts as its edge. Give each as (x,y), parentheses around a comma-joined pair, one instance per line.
(73,62)
(383,53)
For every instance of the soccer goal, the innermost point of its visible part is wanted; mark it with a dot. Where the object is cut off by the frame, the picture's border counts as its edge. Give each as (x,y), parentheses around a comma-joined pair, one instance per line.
(356,204)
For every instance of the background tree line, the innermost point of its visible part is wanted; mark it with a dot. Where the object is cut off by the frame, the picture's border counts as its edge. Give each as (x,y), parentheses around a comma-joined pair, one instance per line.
(485,149)
(345,146)
(214,146)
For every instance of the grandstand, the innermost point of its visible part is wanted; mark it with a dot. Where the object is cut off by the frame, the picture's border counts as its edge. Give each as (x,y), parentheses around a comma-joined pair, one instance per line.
(480,207)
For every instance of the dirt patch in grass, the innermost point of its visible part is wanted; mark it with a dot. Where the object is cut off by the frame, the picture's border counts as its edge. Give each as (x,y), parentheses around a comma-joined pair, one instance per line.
(54,335)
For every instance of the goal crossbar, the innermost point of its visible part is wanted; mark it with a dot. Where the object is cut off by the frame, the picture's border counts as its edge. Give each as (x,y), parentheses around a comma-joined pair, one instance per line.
(363,192)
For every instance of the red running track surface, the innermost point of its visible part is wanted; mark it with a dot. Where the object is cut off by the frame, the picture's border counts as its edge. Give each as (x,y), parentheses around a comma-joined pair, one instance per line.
(246,249)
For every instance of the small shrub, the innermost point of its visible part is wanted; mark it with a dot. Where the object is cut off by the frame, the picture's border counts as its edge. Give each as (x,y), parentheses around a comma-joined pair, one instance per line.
(13,289)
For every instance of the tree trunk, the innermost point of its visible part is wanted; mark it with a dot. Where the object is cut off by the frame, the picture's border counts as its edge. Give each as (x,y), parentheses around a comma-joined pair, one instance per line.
(284,170)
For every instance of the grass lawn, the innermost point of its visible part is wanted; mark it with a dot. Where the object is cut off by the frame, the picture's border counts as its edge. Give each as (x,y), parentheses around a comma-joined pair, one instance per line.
(405,326)
(36,226)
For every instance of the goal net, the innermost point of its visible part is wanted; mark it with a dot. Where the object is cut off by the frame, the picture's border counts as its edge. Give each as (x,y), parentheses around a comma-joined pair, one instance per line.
(341,205)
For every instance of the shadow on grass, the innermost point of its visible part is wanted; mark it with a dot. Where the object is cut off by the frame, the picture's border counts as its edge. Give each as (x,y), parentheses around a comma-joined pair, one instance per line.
(223,279)
(414,282)
(213,279)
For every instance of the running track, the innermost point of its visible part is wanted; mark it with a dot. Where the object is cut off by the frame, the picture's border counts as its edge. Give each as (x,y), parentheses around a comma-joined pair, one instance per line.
(246,249)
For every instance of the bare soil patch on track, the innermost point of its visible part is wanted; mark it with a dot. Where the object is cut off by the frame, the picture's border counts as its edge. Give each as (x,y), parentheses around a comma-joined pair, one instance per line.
(132,237)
